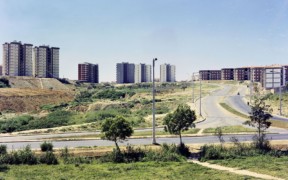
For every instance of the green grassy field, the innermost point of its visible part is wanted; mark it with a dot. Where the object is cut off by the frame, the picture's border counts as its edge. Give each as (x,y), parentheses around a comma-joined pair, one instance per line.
(146,170)
(230,129)
(262,164)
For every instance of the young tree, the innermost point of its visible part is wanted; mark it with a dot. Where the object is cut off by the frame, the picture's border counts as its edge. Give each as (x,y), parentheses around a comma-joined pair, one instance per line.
(116,129)
(180,120)
(259,117)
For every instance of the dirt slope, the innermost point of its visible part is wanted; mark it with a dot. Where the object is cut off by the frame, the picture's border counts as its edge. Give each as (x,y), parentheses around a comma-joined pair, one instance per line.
(27,100)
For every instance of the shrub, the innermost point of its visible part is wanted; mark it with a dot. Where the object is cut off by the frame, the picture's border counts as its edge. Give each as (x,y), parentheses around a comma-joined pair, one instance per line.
(4,83)
(23,156)
(46,146)
(48,158)
(3,149)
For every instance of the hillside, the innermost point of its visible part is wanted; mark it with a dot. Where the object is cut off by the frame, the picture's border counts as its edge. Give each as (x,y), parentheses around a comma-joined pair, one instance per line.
(26,100)
(35,83)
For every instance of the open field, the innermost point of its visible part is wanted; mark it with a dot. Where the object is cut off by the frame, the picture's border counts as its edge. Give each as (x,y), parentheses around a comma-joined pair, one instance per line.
(143,170)
(262,164)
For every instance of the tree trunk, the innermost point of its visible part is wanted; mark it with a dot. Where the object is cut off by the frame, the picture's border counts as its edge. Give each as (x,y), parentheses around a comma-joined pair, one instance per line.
(180,137)
(117,147)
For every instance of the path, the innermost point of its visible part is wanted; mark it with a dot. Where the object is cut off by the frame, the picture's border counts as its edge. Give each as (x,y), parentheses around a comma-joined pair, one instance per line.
(235,170)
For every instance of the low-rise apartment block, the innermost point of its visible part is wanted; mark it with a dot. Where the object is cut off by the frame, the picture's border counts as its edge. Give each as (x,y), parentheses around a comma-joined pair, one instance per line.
(242,74)
(210,74)
(227,74)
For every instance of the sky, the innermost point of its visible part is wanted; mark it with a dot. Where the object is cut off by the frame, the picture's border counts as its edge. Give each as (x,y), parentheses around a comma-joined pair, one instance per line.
(191,34)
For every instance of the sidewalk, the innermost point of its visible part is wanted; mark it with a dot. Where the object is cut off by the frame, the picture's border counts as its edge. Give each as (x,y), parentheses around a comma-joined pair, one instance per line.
(235,170)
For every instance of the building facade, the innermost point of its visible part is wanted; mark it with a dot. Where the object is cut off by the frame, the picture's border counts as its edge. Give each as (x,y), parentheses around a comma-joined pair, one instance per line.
(242,74)
(210,74)
(0,70)
(142,73)
(256,73)
(46,62)
(88,72)
(125,73)
(272,77)
(17,59)
(227,74)
(167,73)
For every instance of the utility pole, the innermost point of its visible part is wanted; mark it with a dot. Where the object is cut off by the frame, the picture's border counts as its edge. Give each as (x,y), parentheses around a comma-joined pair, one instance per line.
(200,96)
(153,106)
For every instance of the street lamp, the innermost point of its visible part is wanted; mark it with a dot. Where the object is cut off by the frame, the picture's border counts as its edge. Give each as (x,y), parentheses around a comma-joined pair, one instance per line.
(153,105)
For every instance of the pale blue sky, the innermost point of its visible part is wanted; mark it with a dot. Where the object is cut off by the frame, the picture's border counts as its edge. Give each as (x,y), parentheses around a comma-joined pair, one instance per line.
(191,34)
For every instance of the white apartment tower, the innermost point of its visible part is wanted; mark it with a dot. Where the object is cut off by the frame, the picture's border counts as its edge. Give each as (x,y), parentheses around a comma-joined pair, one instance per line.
(17,59)
(167,73)
(46,62)
(142,73)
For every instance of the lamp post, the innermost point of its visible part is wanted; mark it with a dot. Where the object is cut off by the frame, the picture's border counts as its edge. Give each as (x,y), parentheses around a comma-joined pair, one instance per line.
(153,105)
(200,95)
(193,88)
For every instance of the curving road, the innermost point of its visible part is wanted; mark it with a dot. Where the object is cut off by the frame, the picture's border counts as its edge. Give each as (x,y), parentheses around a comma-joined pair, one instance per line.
(238,102)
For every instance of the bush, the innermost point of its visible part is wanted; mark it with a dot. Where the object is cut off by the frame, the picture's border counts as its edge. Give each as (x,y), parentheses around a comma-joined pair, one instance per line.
(23,156)
(46,146)
(4,83)
(3,149)
(48,158)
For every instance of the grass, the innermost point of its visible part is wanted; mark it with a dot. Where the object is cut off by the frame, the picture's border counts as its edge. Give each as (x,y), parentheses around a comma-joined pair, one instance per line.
(233,111)
(146,170)
(264,164)
(280,124)
(230,129)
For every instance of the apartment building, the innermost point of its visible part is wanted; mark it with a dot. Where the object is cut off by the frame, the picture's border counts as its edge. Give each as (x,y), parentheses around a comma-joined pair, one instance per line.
(242,74)
(227,74)
(167,73)
(46,62)
(210,74)
(125,73)
(88,72)
(272,77)
(0,70)
(256,73)
(17,59)
(142,73)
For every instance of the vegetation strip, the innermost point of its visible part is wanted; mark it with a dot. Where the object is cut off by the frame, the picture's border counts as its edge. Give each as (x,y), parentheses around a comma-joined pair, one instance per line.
(233,111)
(234,170)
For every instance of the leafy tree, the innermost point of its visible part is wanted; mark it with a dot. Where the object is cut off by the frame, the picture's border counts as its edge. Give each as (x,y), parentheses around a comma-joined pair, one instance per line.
(259,117)
(116,129)
(180,120)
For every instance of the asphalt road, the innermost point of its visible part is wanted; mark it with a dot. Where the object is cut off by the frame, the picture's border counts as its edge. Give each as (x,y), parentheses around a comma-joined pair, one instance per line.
(142,141)
(238,103)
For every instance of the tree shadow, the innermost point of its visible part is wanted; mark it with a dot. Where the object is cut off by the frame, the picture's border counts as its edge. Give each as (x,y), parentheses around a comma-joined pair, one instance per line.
(4,168)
